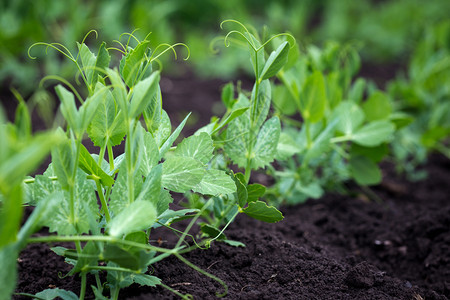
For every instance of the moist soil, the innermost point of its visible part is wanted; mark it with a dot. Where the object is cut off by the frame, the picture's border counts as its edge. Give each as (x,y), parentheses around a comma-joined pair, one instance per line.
(338,247)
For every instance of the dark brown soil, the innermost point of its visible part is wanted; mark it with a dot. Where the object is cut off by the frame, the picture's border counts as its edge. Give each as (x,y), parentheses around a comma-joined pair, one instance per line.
(339,247)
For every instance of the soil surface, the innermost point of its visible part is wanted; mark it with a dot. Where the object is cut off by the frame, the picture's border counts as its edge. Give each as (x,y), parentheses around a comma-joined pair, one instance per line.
(339,247)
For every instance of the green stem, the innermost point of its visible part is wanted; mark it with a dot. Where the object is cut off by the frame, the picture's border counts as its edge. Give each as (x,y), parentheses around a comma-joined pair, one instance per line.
(103,201)
(98,238)
(116,293)
(340,139)
(110,157)
(223,216)
(225,227)
(83,286)
(99,283)
(106,268)
(188,228)
(101,156)
(308,134)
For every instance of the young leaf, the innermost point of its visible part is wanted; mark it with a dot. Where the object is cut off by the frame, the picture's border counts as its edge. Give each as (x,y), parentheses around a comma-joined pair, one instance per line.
(199,147)
(364,170)
(68,107)
(215,182)
(238,140)
(255,191)
(276,61)
(119,196)
(8,271)
(212,232)
(287,147)
(133,61)
(102,62)
(241,189)
(50,294)
(350,117)
(152,186)
(228,95)
(88,60)
(168,143)
(90,166)
(260,211)
(144,279)
(374,133)
(266,143)
(180,174)
(260,104)
(377,107)
(150,153)
(233,115)
(162,133)
(63,163)
(108,124)
(139,215)
(153,112)
(143,93)
(313,99)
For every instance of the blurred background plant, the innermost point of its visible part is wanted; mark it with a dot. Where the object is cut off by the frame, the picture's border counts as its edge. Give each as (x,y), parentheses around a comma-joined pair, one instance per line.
(387,30)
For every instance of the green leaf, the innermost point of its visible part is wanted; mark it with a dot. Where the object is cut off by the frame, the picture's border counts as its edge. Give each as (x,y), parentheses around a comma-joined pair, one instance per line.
(8,271)
(266,143)
(102,62)
(364,170)
(150,153)
(377,107)
(87,163)
(255,191)
(22,118)
(238,140)
(374,133)
(257,58)
(227,95)
(277,59)
(120,91)
(260,211)
(260,104)
(180,174)
(376,154)
(108,123)
(16,165)
(350,117)
(234,243)
(68,107)
(88,111)
(241,189)
(168,143)
(139,237)
(89,257)
(153,112)
(212,232)
(63,162)
(11,215)
(144,279)
(143,93)
(139,215)
(169,216)
(88,61)
(50,294)
(233,115)
(215,182)
(199,147)
(163,132)
(287,147)
(122,258)
(152,186)
(119,196)
(356,92)
(313,98)
(321,144)
(133,62)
